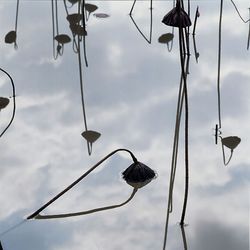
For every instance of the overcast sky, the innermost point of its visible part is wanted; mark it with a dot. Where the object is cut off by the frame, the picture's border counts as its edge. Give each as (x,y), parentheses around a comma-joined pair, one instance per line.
(130,90)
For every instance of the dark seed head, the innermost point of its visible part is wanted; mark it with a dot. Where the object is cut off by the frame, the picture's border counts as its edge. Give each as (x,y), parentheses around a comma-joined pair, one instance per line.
(138,175)
(177,17)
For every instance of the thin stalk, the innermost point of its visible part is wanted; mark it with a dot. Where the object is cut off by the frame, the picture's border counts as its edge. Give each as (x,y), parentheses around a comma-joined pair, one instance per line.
(243,20)
(174,159)
(13,228)
(57,26)
(81,82)
(17,11)
(248,38)
(196,53)
(84,37)
(139,30)
(181,43)
(53,29)
(219,64)
(57,216)
(78,180)
(151,22)
(130,13)
(184,239)
(195,20)
(14,101)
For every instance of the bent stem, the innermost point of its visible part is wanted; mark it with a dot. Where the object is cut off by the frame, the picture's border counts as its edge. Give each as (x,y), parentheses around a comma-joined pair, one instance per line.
(57,216)
(150,29)
(224,157)
(78,180)
(14,101)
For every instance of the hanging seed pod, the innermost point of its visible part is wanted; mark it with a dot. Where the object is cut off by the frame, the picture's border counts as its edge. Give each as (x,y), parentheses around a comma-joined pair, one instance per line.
(90,7)
(10,37)
(177,17)
(166,38)
(4,102)
(90,135)
(138,175)
(74,18)
(231,142)
(62,38)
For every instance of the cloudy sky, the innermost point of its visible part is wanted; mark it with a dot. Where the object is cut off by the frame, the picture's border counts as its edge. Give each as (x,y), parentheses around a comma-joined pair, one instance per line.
(130,91)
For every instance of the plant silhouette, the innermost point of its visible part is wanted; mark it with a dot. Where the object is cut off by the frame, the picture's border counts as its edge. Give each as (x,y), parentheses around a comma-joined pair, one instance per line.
(11,36)
(148,40)
(137,175)
(177,17)
(218,127)
(5,101)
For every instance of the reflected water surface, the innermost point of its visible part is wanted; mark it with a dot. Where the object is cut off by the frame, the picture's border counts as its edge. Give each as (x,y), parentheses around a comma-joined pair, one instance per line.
(130,91)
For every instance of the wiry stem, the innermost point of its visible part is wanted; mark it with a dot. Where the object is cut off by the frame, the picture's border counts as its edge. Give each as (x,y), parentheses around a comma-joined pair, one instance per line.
(181,42)
(14,101)
(57,216)
(77,181)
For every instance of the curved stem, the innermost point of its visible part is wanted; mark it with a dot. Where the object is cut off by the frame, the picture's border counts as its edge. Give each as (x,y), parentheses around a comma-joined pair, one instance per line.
(195,19)
(57,216)
(14,101)
(139,30)
(245,21)
(224,157)
(78,180)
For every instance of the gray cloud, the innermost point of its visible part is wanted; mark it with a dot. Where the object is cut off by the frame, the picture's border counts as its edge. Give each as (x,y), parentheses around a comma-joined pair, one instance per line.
(214,235)
(130,92)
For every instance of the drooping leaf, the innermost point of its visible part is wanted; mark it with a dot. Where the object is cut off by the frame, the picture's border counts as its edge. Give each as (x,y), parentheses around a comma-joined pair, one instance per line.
(62,38)
(78,30)
(166,38)
(231,142)
(90,7)
(4,102)
(74,18)
(10,37)
(91,136)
